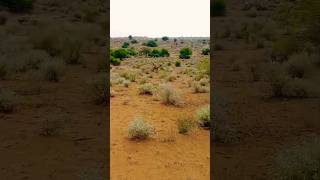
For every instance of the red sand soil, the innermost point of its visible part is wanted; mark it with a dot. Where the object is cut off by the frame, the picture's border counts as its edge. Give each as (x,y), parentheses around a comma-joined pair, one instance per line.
(166,155)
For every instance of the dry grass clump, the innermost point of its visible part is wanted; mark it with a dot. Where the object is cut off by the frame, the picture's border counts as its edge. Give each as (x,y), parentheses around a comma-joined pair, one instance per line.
(203,116)
(298,65)
(7,101)
(52,70)
(171,78)
(147,88)
(130,75)
(185,125)
(300,162)
(115,79)
(169,95)
(139,129)
(200,87)
(99,89)
(284,85)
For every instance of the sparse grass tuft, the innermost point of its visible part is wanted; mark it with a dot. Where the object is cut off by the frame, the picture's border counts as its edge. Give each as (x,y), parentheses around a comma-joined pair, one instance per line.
(147,88)
(139,129)
(52,70)
(203,116)
(169,95)
(300,162)
(197,87)
(185,125)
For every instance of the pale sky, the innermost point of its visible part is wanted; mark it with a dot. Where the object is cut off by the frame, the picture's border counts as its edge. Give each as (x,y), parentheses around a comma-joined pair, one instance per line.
(158,18)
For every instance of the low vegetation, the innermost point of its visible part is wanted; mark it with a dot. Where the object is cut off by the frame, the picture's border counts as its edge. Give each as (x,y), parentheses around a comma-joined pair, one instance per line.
(139,129)
(185,53)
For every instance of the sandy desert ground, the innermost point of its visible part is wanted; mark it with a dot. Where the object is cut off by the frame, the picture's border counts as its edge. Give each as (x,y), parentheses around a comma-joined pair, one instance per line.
(167,154)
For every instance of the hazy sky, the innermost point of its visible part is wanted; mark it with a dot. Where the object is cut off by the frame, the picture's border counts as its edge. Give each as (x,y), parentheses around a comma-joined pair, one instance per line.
(157,18)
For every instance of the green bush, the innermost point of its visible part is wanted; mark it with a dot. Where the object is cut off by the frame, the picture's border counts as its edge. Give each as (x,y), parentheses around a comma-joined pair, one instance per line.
(164,53)
(218,8)
(114,61)
(125,45)
(120,54)
(18,5)
(132,52)
(159,53)
(185,53)
(151,43)
(178,63)
(205,51)
(155,53)
(165,38)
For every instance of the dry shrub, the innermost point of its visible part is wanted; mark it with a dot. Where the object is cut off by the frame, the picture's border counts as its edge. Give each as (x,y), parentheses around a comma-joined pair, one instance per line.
(300,162)
(298,65)
(185,125)
(115,79)
(198,87)
(52,70)
(147,88)
(169,95)
(283,85)
(130,75)
(139,129)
